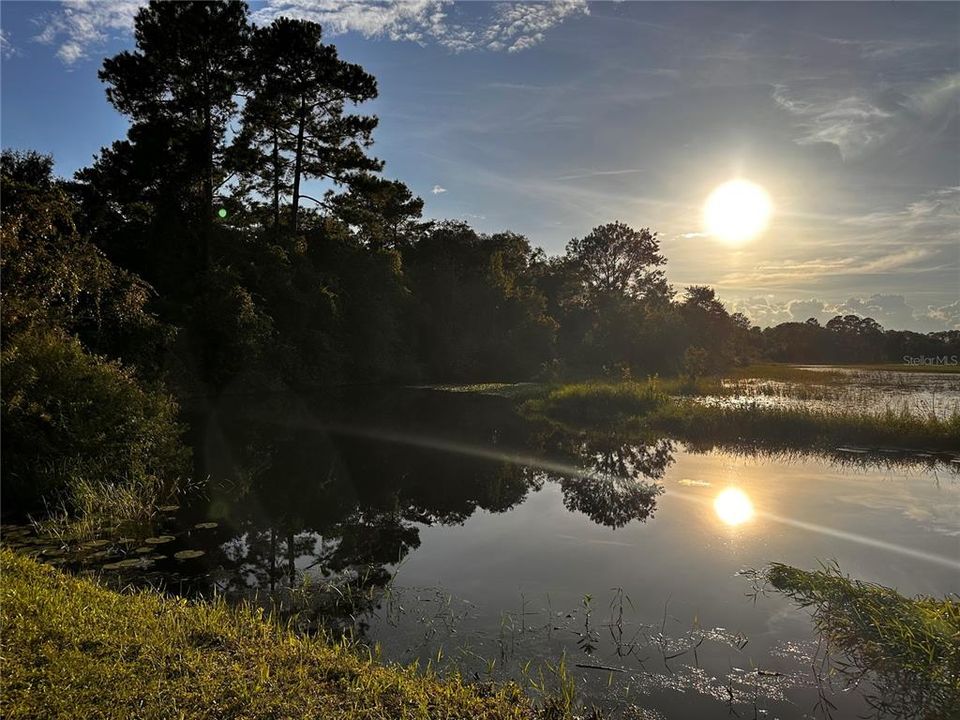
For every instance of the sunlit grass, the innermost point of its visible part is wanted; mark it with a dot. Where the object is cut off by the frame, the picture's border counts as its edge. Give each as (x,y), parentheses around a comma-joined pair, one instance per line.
(907,648)
(648,408)
(600,402)
(72,649)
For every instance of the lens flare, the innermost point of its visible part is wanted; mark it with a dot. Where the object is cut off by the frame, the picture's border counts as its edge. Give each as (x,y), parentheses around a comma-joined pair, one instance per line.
(733,506)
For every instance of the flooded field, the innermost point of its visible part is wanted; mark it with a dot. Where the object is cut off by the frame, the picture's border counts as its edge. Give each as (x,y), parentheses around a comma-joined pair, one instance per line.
(445,528)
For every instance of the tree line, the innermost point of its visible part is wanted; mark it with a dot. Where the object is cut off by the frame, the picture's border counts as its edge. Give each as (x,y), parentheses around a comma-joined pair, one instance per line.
(188,262)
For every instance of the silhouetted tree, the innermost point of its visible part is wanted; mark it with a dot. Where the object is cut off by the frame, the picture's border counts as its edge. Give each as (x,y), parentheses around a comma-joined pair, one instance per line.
(615,258)
(300,92)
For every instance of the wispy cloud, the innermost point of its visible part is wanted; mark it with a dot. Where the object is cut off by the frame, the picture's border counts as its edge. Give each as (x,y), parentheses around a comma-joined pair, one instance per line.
(7,50)
(857,120)
(437,190)
(883,49)
(79,27)
(790,271)
(600,173)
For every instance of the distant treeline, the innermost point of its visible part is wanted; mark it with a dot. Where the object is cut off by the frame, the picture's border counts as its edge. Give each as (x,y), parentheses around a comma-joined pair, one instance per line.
(187,260)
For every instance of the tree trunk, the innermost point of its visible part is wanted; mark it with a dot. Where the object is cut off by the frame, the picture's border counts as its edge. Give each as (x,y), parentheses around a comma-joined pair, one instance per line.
(298,161)
(276,179)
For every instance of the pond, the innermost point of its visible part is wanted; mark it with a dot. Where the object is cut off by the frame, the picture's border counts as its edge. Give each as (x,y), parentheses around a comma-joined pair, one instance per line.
(448,529)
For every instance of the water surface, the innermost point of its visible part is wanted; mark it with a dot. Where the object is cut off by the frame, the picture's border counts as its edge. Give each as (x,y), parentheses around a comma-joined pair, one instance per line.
(450,530)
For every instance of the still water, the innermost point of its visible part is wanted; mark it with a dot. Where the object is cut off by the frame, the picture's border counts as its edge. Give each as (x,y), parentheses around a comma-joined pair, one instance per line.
(448,529)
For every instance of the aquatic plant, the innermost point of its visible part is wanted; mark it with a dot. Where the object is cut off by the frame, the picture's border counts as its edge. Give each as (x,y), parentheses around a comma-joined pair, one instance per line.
(908,649)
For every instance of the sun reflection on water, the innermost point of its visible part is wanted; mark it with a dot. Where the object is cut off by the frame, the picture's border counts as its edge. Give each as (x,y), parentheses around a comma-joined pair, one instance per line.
(733,506)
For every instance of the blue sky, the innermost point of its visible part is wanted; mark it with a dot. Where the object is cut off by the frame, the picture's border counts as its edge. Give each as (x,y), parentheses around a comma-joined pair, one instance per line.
(549,119)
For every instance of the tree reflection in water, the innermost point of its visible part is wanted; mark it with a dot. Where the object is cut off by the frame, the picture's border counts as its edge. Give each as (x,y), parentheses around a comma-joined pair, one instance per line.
(302,501)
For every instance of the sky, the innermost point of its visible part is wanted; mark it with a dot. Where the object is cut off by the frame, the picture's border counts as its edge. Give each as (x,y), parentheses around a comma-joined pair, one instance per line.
(549,119)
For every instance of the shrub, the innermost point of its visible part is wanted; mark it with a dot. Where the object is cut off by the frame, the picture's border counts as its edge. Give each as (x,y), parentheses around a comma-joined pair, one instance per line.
(70,417)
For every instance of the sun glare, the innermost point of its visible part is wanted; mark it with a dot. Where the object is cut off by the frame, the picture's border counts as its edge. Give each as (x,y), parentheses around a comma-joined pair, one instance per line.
(737,211)
(733,506)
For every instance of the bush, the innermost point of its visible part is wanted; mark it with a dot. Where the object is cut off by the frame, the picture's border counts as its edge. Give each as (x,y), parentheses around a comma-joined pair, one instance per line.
(70,417)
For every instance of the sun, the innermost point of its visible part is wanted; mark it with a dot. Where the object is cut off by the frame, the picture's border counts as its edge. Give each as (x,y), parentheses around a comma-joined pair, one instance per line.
(737,211)
(733,506)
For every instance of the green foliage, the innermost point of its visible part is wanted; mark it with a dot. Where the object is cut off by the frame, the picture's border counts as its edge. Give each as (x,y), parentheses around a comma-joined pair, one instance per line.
(909,648)
(51,276)
(477,313)
(118,656)
(70,415)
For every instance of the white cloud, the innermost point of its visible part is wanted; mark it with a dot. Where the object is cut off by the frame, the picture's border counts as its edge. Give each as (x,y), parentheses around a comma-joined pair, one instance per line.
(893,312)
(948,315)
(437,190)
(7,50)
(511,27)
(81,26)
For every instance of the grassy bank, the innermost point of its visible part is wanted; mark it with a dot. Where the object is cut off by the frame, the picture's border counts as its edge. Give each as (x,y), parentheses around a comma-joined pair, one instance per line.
(907,648)
(71,648)
(644,407)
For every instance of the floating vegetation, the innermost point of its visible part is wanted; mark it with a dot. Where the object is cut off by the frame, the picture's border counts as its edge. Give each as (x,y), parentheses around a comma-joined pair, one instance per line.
(160,539)
(206,525)
(143,549)
(188,554)
(94,544)
(168,508)
(127,564)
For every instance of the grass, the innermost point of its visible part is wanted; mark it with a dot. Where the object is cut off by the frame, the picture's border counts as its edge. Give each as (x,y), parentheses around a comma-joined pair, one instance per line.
(87,507)
(646,408)
(908,648)
(71,648)
(599,402)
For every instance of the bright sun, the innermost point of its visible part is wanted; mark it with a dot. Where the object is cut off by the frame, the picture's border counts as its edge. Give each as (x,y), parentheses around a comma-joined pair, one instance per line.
(737,211)
(733,506)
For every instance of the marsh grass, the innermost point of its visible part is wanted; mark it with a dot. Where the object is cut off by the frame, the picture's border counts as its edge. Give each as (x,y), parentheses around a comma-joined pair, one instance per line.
(646,409)
(71,648)
(907,648)
(90,503)
(599,402)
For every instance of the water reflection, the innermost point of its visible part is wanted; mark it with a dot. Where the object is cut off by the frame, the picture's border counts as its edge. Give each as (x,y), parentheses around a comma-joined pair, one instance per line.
(733,506)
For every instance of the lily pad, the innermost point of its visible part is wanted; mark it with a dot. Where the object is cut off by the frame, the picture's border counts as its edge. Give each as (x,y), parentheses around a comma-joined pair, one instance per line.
(168,508)
(94,544)
(188,554)
(159,540)
(125,564)
(145,549)
(206,525)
